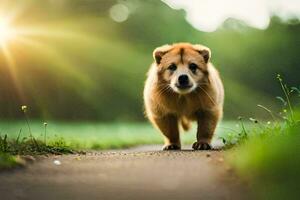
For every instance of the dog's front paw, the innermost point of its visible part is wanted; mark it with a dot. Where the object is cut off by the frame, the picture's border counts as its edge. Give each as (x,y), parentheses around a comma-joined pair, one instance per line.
(201,146)
(171,147)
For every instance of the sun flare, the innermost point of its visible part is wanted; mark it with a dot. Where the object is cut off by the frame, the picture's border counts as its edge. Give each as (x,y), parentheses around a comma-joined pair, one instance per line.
(23,41)
(6,33)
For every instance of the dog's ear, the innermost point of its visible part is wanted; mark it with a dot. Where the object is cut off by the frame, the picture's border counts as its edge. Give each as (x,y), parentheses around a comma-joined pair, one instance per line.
(204,51)
(160,51)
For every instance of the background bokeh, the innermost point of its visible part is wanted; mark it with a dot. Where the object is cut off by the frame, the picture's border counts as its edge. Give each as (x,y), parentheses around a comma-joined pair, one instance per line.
(87,59)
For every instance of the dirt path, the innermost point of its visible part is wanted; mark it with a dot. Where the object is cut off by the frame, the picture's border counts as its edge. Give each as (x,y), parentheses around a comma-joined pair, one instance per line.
(133,174)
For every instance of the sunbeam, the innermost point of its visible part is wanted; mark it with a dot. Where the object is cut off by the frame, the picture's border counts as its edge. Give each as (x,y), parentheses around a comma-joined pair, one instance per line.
(61,64)
(38,42)
(12,70)
(4,33)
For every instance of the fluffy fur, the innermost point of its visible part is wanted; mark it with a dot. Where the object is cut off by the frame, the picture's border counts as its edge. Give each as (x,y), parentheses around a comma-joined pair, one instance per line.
(170,101)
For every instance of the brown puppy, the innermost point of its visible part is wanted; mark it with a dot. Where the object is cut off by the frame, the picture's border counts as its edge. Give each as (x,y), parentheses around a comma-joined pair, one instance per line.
(183,86)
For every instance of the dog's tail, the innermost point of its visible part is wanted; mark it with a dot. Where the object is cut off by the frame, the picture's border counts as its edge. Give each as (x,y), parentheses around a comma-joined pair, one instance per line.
(185,123)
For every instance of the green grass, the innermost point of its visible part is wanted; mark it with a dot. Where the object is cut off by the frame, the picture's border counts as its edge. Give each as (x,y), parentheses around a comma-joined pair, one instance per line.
(22,138)
(88,135)
(270,163)
(268,154)
(8,161)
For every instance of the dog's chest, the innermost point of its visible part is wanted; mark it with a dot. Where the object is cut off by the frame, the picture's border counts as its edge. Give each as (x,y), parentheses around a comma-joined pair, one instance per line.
(184,106)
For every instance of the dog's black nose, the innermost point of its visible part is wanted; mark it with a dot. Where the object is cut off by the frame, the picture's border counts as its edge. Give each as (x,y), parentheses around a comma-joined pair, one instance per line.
(183,80)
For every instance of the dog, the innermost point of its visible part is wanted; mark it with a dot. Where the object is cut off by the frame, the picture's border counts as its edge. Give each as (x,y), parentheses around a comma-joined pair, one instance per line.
(183,86)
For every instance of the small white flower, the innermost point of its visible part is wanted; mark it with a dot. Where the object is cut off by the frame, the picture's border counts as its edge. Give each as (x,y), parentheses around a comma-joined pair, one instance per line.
(57,162)
(24,108)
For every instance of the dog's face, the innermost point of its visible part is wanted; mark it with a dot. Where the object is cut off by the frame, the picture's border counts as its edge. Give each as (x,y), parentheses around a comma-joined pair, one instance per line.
(183,67)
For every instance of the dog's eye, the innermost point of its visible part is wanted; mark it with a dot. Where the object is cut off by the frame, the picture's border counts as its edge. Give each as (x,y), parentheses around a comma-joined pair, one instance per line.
(172,67)
(193,67)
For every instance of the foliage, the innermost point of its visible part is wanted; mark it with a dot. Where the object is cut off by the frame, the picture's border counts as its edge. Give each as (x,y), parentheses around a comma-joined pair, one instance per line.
(269,159)
(279,123)
(270,163)
(62,137)
(31,145)
(8,161)
(97,136)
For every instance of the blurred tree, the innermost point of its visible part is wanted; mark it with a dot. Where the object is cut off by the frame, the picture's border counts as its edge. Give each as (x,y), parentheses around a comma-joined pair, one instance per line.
(81,64)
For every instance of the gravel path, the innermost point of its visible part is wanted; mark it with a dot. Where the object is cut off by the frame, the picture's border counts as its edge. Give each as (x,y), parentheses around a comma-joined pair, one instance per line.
(140,173)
